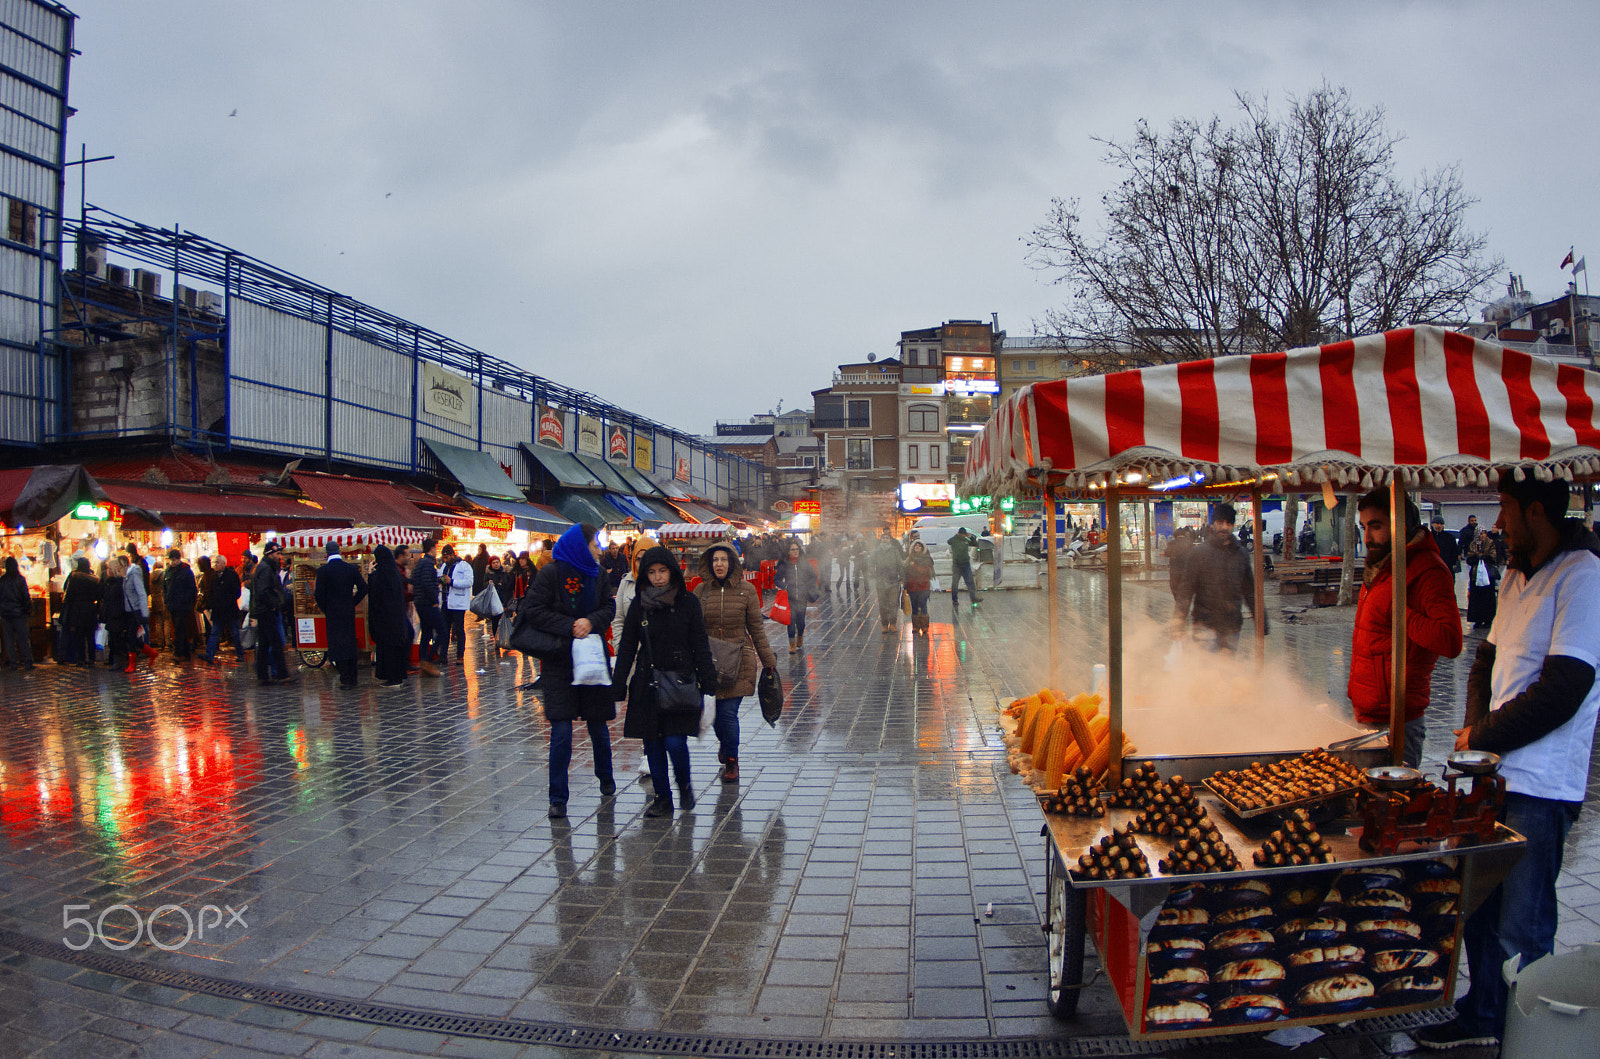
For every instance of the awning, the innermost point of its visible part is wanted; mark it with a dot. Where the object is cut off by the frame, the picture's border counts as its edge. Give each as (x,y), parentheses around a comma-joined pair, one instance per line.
(712,531)
(639,483)
(698,512)
(672,489)
(364,501)
(587,507)
(41,496)
(662,510)
(363,537)
(1441,408)
(632,507)
(208,511)
(478,472)
(527,516)
(562,467)
(610,478)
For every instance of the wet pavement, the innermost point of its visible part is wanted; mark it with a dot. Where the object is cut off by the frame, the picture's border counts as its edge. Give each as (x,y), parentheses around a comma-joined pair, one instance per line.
(372,872)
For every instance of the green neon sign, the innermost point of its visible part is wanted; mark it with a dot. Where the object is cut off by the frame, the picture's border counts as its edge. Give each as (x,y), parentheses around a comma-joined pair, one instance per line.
(89,511)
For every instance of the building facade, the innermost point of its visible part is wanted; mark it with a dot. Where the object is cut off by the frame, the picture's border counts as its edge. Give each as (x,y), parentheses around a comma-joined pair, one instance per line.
(857,421)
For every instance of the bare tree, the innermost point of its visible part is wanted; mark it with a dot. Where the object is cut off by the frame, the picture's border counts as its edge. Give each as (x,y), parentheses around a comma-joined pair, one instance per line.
(1269,233)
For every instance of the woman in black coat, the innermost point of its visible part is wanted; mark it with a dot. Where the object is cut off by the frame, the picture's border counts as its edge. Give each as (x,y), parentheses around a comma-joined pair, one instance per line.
(112,612)
(386,619)
(80,605)
(665,629)
(570,598)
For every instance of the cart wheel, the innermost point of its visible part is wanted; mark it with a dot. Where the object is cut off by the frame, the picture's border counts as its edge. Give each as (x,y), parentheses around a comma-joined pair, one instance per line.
(314,659)
(1065,923)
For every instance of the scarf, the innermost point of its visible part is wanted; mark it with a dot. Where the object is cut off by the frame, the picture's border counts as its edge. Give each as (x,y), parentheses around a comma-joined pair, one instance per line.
(573,550)
(653,598)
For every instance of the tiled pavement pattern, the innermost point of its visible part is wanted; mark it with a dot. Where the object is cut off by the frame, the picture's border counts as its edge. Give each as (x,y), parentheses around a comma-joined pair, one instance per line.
(392,846)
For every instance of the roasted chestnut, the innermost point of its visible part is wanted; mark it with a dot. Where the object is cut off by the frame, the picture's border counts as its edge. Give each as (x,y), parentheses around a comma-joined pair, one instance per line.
(1250,975)
(1336,994)
(1178,1016)
(1179,981)
(1249,1007)
(1411,989)
(1244,941)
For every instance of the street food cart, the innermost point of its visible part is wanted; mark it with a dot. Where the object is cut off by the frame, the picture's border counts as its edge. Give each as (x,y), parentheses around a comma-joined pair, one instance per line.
(305,551)
(1410,408)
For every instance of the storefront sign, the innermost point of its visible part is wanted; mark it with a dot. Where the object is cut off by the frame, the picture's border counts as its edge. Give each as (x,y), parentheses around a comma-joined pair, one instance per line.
(305,631)
(808,507)
(589,435)
(497,523)
(446,394)
(617,448)
(644,458)
(552,428)
(89,511)
(488,523)
(972,386)
(976,504)
(682,472)
(927,498)
(922,389)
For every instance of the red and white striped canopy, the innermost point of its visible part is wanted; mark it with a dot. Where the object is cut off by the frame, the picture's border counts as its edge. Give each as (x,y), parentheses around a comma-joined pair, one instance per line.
(1436,407)
(361,537)
(709,530)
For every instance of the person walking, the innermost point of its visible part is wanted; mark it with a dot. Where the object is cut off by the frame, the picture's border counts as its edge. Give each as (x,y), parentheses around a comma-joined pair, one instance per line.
(387,623)
(180,593)
(16,605)
(205,582)
(503,577)
(731,607)
(1219,582)
(480,569)
(136,608)
(266,604)
(425,598)
(223,604)
(919,583)
(888,574)
(961,566)
(339,589)
(456,578)
(570,599)
(795,576)
(113,613)
(80,605)
(627,589)
(1483,579)
(1178,551)
(1433,621)
(1447,543)
(664,630)
(1533,699)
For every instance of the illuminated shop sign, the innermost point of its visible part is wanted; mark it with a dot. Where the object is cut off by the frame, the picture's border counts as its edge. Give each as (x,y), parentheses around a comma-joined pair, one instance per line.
(978,504)
(89,511)
(928,498)
(972,386)
(808,507)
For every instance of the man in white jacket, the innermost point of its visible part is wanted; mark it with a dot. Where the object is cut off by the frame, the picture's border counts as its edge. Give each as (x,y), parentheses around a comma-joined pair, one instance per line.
(455,585)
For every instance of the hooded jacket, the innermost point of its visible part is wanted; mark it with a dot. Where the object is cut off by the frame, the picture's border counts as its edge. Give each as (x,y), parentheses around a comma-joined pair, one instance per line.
(561,593)
(732,611)
(919,570)
(1433,630)
(671,637)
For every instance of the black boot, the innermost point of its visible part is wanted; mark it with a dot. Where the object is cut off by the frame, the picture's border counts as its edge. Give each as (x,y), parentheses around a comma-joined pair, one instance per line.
(686,797)
(659,806)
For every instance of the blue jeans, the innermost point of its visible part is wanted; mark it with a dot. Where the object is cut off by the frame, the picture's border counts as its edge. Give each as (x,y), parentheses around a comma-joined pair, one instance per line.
(797,619)
(657,751)
(561,755)
(919,602)
(958,572)
(432,628)
(1519,916)
(214,638)
(727,727)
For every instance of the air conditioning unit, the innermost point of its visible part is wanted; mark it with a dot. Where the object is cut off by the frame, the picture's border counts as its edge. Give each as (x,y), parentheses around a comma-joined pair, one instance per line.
(91,258)
(116,275)
(148,282)
(209,302)
(188,296)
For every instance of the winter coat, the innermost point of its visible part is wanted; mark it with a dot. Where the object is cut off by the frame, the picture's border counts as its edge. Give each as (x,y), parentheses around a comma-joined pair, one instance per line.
(226,588)
(178,589)
(961,549)
(112,608)
(1433,630)
(458,594)
(266,590)
(919,571)
(503,580)
(672,638)
(1217,582)
(386,601)
(800,581)
(887,562)
(627,588)
(14,599)
(135,600)
(552,604)
(339,588)
(80,603)
(731,610)
(425,582)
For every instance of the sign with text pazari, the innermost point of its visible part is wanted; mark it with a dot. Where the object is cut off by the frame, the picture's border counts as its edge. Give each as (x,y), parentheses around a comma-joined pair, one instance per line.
(644,453)
(617,447)
(446,394)
(589,435)
(552,430)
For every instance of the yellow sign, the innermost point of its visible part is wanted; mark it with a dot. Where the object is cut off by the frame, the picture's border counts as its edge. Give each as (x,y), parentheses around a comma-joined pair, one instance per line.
(644,457)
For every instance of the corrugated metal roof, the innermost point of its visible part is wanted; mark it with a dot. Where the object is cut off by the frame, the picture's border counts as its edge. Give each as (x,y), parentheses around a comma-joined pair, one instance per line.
(191,511)
(364,501)
(562,466)
(478,472)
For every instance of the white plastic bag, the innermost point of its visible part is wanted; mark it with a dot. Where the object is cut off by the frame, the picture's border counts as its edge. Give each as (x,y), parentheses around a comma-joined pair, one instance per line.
(708,714)
(589,663)
(933,585)
(1482,580)
(100,637)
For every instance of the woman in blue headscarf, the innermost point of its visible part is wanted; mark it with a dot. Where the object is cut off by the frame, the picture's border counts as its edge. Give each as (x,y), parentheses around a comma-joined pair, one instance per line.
(570,598)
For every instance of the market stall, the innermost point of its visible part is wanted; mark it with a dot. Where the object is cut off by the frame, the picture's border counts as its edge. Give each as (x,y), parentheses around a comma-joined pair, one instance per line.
(304,552)
(1412,408)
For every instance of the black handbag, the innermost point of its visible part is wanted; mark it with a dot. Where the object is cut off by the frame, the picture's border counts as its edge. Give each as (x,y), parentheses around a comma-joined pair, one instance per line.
(676,693)
(532,640)
(770,691)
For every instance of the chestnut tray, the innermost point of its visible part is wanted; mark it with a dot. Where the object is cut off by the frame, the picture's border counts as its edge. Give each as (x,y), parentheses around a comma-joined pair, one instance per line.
(1281,807)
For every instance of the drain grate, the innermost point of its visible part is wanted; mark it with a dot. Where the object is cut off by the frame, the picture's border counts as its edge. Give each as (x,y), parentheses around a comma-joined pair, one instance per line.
(633,1041)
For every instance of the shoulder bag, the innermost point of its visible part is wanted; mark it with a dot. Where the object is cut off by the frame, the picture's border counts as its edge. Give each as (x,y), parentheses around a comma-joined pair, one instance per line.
(676,692)
(726,655)
(528,638)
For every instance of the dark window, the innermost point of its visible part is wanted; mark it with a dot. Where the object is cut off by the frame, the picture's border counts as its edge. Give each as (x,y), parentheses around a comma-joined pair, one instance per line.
(860,414)
(22,223)
(858,454)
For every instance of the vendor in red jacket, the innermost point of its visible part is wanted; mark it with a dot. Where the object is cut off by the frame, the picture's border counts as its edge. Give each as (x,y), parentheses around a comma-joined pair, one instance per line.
(1433,620)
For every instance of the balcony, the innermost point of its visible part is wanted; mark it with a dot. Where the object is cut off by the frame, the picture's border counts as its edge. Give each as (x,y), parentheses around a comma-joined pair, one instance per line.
(884,379)
(914,373)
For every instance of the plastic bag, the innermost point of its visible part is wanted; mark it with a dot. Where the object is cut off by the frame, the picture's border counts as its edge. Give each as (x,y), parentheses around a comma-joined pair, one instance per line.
(486,604)
(1482,580)
(589,663)
(247,635)
(770,689)
(780,608)
(708,714)
(905,602)
(933,585)
(100,637)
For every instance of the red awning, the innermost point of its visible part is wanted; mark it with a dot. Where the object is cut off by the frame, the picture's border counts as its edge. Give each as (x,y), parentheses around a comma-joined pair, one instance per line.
(1440,408)
(189,511)
(361,501)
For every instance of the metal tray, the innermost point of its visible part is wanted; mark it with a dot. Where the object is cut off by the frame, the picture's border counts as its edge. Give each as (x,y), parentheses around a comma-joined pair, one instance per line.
(1281,807)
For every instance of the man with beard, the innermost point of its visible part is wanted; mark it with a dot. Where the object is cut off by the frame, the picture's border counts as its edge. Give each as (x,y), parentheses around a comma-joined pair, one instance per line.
(1532,699)
(1218,582)
(1433,621)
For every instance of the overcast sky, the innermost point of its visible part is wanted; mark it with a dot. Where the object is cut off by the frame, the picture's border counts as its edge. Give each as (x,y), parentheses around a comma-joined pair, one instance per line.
(696,210)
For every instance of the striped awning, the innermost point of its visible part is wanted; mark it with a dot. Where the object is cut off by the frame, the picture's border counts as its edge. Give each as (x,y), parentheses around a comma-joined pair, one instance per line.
(1439,408)
(710,531)
(363,537)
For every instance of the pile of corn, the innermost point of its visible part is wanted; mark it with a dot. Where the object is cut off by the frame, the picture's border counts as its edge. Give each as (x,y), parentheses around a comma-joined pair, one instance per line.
(1056,735)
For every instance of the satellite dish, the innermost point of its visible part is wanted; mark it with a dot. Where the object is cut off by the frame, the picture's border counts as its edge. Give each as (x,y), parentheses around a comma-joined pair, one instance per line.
(871,357)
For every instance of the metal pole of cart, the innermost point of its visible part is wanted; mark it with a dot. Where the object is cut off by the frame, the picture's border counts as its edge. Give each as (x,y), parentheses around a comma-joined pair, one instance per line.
(1050,583)
(1114,627)
(1398,539)
(1258,571)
